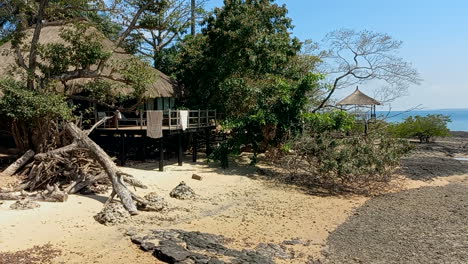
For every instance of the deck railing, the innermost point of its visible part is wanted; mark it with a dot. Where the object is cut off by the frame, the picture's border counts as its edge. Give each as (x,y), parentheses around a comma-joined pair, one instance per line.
(171,119)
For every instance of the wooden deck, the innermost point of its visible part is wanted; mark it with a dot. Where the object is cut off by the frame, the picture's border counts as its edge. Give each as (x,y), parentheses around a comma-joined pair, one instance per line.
(197,119)
(200,123)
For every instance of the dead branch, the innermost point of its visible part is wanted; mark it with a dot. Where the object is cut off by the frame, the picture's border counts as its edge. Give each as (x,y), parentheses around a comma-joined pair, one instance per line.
(18,163)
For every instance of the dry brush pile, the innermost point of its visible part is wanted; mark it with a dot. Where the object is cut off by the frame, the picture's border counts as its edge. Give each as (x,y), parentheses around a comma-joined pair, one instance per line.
(52,175)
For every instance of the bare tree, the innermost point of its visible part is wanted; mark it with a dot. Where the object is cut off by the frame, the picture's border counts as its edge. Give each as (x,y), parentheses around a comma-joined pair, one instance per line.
(357,57)
(159,29)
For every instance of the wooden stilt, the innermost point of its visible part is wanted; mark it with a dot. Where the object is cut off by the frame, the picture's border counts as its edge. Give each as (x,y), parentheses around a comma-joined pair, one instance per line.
(161,154)
(179,146)
(143,147)
(208,143)
(194,147)
(123,155)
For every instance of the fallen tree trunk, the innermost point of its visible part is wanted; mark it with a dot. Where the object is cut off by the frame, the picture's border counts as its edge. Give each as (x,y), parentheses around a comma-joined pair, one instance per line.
(126,196)
(18,163)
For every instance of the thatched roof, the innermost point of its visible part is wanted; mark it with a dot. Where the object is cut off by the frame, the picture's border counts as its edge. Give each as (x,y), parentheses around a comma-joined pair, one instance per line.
(163,86)
(358,98)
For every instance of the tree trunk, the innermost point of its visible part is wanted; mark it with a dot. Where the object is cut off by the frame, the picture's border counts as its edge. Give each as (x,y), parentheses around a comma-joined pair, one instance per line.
(106,162)
(18,163)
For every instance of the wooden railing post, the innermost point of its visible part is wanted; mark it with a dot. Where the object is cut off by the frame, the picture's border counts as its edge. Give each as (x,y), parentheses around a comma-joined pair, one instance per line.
(199,118)
(169,111)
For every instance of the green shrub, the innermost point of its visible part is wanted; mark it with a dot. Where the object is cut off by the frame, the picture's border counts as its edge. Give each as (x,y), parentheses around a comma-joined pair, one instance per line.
(422,127)
(339,121)
(19,103)
(359,164)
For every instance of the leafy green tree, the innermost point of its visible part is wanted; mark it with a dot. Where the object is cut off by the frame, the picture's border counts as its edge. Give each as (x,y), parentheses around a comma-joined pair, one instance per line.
(246,64)
(422,127)
(242,40)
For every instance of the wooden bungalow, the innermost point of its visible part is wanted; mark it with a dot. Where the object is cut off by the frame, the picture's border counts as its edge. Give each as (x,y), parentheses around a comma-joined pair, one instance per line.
(161,95)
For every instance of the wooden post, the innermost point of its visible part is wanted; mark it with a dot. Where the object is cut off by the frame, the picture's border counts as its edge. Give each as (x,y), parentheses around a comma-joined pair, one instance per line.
(194,147)
(199,118)
(179,143)
(122,151)
(143,147)
(141,119)
(207,139)
(161,154)
(169,119)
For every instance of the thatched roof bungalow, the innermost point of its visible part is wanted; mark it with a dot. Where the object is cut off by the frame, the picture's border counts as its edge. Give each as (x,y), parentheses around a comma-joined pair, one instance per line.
(160,94)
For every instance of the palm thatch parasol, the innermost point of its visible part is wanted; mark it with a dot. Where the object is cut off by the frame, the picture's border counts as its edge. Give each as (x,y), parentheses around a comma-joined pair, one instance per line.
(358,98)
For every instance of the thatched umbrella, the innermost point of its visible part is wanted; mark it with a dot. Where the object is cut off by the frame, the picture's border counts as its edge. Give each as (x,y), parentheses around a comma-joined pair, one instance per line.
(359,100)
(163,86)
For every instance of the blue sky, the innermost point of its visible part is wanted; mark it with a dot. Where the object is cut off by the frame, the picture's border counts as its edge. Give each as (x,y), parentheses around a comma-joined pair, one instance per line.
(434,35)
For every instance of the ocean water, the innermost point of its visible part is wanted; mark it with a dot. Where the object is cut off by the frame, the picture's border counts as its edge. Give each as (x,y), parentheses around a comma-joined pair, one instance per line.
(459,116)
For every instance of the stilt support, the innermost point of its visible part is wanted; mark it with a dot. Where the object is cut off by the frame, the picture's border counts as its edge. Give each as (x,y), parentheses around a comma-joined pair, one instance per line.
(161,154)
(123,154)
(208,143)
(179,147)
(194,147)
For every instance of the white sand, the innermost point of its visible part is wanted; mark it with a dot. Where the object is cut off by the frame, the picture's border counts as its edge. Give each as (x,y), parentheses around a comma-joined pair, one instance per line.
(247,210)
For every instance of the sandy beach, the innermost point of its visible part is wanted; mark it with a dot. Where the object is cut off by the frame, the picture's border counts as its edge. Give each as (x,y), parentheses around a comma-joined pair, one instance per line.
(237,203)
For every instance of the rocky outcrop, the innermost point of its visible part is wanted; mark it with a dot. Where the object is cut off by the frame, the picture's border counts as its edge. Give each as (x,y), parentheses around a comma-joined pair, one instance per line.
(113,213)
(178,246)
(182,192)
(156,203)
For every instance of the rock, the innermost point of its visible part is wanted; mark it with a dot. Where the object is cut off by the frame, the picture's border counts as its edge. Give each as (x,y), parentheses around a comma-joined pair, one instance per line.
(24,205)
(156,203)
(1,202)
(184,247)
(182,192)
(273,251)
(112,214)
(170,252)
(148,245)
(294,241)
(197,177)
(131,231)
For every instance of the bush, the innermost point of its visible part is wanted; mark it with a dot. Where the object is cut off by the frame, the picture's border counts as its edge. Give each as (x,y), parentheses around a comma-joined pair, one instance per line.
(334,155)
(339,121)
(422,127)
(19,103)
(342,164)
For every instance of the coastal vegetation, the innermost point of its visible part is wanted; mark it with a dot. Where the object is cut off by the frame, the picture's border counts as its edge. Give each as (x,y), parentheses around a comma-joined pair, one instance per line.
(423,128)
(273,90)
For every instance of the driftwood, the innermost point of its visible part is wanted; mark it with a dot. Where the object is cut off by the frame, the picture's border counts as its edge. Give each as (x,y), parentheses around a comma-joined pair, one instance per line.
(51,194)
(115,175)
(15,166)
(76,166)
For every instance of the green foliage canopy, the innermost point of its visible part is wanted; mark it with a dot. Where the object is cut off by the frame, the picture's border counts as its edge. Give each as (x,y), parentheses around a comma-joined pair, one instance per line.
(19,103)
